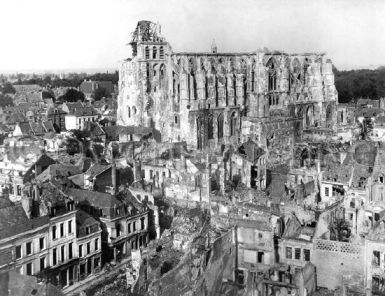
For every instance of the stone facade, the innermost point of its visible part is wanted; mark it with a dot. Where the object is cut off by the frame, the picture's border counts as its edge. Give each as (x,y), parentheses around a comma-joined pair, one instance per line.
(206,99)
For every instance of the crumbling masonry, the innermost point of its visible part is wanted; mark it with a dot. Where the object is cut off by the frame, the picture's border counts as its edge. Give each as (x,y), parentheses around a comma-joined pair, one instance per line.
(210,99)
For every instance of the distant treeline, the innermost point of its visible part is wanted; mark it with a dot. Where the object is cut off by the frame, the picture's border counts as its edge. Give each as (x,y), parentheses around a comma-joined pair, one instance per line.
(350,84)
(355,84)
(72,80)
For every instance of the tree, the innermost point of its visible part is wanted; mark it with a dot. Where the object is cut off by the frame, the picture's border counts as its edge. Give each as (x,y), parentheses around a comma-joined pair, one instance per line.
(340,230)
(48,95)
(72,95)
(5,100)
(8,89)
(100,93)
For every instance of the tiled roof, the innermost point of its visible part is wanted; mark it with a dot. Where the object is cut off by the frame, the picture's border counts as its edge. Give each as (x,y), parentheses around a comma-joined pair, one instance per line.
(13,220)
(16,117)
(96,169)
(95,198)
(84,111)
(58,170)
(37,128)
(48,126)
(25,128)
(84,219)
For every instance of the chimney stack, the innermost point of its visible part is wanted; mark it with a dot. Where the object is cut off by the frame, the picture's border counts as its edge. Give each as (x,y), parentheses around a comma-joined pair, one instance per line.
(134,169)
(113,176)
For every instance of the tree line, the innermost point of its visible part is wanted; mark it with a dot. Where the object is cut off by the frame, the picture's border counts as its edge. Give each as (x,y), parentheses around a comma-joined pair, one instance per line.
(361,83)
(72,80)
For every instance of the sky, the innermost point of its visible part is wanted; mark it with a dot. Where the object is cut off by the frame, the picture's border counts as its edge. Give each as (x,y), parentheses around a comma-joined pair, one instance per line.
(82,34)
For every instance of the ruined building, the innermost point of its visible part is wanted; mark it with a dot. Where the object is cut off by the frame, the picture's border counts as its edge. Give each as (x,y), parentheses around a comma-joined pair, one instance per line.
(211,99)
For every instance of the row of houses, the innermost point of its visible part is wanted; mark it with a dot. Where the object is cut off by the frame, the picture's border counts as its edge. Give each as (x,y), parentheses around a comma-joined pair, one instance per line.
(63,233)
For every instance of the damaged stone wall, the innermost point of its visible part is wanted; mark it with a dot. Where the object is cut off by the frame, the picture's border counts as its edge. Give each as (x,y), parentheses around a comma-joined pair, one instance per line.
(166,90)
(220,266)
(346,260)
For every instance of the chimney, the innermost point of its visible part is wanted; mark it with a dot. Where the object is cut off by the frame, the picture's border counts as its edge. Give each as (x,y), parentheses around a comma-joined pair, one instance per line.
(36,196)
(134,169)
(183,161)
(214,47)
(26,204)
(113,176)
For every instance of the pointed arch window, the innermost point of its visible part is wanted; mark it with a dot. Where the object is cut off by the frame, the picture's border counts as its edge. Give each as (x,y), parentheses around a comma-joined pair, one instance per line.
(220,126)
(148,78)
(161,52)
(199,133)
(272,76)
(129,111)
(210,127)
(235,88)
(233,124)
(147,52)
(154,52)
(194,86)
(161,76)
(252,79)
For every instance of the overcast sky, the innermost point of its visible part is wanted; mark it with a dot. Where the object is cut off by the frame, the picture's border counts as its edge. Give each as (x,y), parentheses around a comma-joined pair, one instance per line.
(65,34)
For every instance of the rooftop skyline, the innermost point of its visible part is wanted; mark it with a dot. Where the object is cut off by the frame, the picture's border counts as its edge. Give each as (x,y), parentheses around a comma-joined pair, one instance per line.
(52,35)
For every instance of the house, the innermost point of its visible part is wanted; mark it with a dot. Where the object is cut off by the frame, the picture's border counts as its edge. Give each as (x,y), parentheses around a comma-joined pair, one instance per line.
(29,128)
(40,236)
(57,116)
(375,262)
(97,133)
(69,107)
(136,133)
(124,220)
(57,171)
(89,244)
(104,177)
(377,132)
(248,165)
(295,245)
(23,242)
(78,119)
(89,87)
(55,142)
(73,238)
(15,173)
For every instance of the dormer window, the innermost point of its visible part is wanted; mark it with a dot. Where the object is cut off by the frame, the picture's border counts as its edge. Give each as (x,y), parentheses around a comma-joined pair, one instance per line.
(70,206)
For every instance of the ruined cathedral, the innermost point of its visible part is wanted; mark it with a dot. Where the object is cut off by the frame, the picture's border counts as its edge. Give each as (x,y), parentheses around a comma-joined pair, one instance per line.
(213,100)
